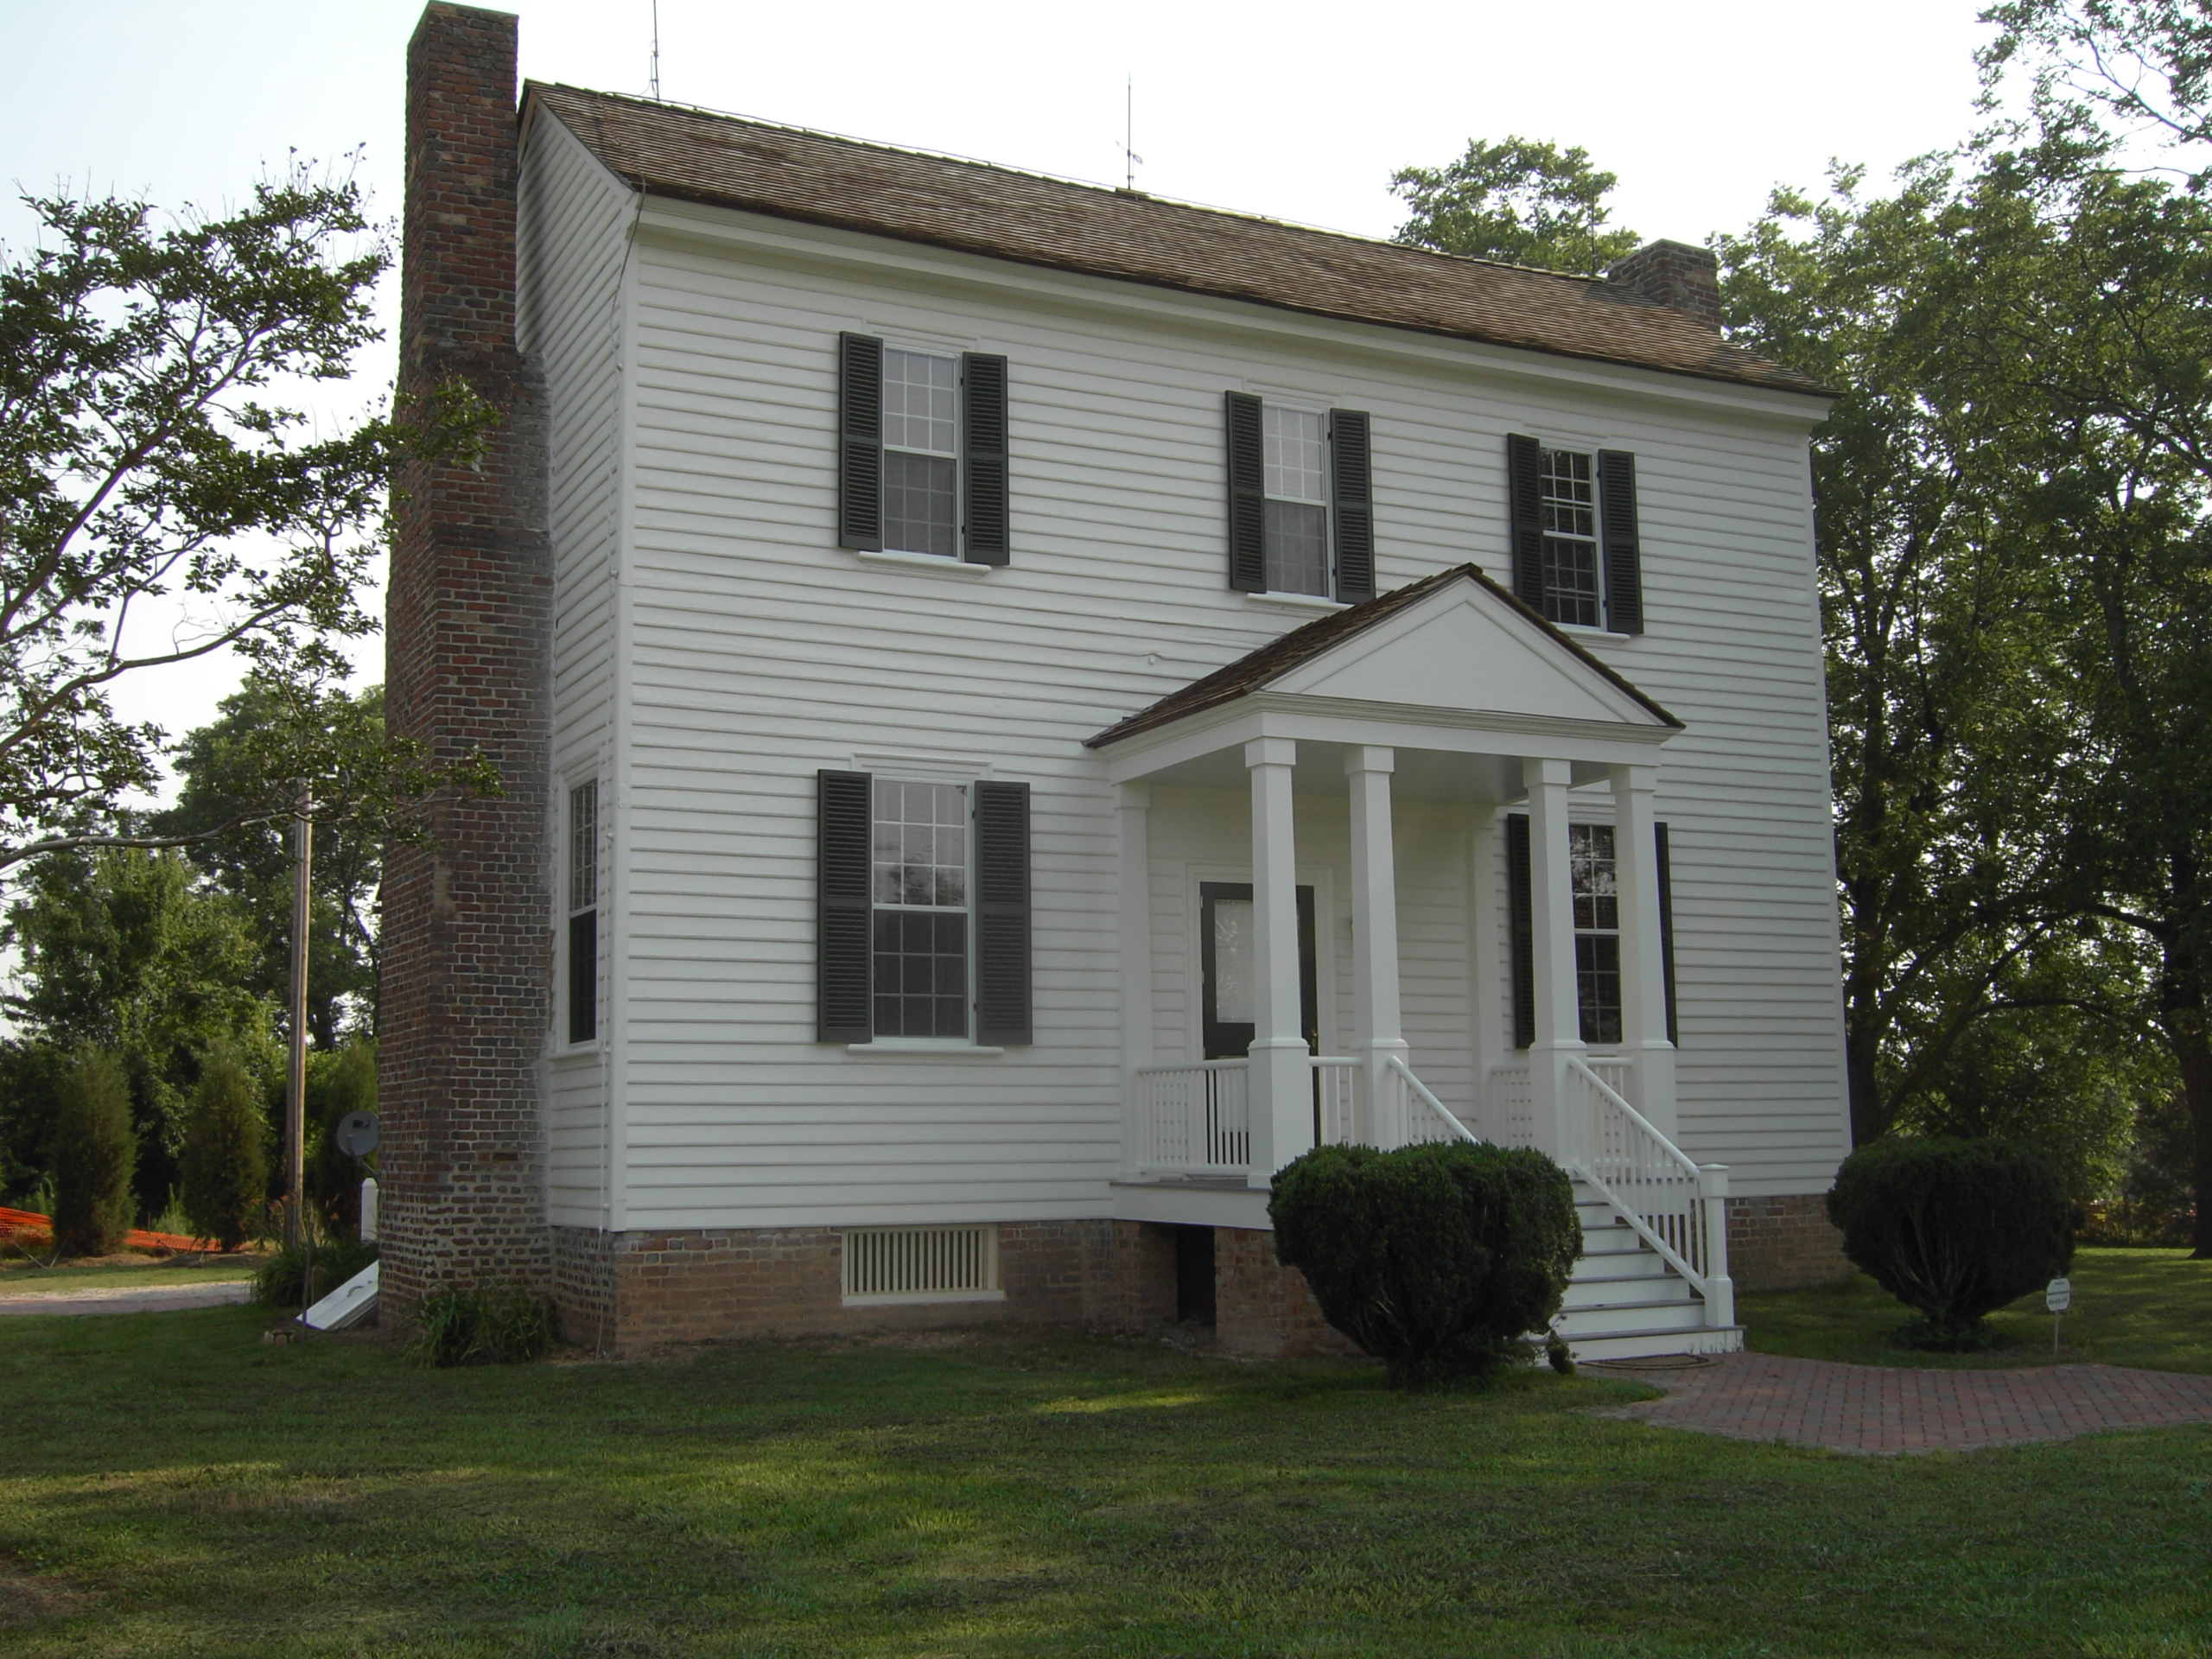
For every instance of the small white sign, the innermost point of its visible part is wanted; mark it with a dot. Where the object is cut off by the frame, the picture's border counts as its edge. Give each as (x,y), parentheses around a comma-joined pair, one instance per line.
(2058,1295)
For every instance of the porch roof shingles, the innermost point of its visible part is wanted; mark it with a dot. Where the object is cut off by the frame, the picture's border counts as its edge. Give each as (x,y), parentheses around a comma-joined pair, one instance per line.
(1257,670)
(726,161)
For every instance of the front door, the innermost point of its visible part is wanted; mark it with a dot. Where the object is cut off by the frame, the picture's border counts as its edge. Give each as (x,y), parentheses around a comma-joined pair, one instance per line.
(1225,942)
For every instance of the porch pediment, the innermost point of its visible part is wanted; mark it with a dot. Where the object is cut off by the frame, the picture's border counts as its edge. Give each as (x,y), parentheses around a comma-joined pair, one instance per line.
(1456,644)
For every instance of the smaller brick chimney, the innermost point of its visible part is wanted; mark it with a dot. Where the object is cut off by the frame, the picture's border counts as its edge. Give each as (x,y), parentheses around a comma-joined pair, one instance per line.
(1675,273)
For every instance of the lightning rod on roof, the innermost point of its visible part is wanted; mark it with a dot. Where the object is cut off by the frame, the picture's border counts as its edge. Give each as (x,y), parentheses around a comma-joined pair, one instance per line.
(1131,159)
(656,64)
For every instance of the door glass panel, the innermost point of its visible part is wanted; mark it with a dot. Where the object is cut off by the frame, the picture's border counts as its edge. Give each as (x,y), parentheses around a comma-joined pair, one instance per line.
(1232,962)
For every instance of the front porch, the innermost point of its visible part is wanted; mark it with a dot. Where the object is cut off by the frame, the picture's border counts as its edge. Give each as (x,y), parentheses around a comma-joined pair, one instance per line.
(1536,770)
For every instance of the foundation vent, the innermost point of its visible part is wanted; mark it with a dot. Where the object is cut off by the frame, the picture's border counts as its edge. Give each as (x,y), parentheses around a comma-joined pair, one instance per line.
(921,1264)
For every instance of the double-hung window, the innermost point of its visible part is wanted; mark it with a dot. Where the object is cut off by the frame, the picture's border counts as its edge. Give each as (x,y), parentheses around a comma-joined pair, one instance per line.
(1297,471)
(921,453)
(583,914)
(1577,548)
(1301,512)
(919,869)
(1597,930)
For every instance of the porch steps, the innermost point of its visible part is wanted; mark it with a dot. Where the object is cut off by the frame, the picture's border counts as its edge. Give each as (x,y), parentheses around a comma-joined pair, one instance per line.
(1624,1302)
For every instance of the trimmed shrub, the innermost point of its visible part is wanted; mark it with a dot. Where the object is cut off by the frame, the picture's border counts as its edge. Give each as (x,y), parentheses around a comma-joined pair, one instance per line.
(498,1324)
(1441,1261)
(225,1163)
(1954,1229)
(95,1155)
(276,1281)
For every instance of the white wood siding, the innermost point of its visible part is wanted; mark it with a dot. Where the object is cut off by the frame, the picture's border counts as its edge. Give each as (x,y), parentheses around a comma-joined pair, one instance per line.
(762,652)
(573,219)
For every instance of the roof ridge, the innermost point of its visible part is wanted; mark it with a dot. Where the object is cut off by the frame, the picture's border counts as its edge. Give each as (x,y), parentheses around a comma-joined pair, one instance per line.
(1183,203)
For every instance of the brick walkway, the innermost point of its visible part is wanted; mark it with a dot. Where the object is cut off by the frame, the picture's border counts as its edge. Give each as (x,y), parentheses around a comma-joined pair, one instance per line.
(1871,1409)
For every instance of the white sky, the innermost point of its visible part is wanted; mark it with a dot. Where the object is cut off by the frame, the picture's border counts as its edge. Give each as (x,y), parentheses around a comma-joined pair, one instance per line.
(1293,109)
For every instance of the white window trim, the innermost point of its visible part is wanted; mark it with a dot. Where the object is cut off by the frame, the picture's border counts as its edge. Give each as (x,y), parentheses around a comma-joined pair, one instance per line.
(564,1046)
(906,556)
(938,564)
(1274,601)
(965,1043)
(946,1048)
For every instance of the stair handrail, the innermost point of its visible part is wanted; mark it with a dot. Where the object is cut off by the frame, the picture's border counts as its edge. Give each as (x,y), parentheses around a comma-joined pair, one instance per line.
(1708,1182)
(1421,1091)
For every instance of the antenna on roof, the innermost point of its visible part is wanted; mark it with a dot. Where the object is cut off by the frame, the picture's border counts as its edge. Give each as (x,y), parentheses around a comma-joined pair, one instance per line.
(1132,160)
(656,68)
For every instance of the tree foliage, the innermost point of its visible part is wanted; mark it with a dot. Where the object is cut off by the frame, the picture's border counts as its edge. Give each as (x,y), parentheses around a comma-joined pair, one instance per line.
(1521,201)
(155,454)
(95,1153)
(224,1166)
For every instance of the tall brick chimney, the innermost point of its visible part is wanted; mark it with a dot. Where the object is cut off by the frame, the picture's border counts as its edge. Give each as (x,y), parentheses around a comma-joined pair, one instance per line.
(1675,273)
(467,655)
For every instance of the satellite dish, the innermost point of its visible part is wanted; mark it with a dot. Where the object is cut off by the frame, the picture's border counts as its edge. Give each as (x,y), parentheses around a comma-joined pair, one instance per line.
(358,1134)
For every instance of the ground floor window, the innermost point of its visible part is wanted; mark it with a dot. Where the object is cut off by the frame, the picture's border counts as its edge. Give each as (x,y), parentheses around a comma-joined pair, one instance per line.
(919,864)
(1597,931)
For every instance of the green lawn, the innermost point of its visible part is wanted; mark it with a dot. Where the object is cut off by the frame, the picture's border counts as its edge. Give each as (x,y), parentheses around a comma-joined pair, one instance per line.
(170,1484)
(22,1278)
(2131,1307)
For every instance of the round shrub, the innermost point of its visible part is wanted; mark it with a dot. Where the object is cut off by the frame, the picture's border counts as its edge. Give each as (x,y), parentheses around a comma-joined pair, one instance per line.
(1441,1260)
(95,1155)
(1954,1229)
(225,1165)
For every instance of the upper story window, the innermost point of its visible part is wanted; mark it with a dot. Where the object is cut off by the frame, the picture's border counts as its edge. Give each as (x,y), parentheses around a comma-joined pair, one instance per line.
(1297,471)
(1597,930)
(919,865)
(1301,513)
(921,453)
(1570,508)
(1577,548)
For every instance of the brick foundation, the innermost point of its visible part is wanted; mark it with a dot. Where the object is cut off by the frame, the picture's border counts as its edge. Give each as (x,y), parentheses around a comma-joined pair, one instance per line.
(643,1290)
(464,1004)
(1783,1243)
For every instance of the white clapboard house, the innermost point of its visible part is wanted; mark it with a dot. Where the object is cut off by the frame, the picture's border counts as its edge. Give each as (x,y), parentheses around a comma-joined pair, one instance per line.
(1061,698)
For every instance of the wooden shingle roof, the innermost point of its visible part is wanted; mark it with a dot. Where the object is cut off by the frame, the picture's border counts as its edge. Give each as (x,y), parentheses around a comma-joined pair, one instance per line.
(692,155)
(1257,670)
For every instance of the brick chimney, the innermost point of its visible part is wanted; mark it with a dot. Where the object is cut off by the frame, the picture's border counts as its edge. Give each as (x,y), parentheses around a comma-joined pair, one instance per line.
(1675,273)
(467,656)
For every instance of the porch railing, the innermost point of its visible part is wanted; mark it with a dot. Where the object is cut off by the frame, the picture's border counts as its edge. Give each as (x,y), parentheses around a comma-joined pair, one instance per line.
(1510,1106)
(1195,1117)
(1425,1117)
(1336,1111)
(1679,1208)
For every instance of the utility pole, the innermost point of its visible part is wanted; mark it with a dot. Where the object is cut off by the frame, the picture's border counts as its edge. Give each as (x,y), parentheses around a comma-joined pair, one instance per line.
(296,1094)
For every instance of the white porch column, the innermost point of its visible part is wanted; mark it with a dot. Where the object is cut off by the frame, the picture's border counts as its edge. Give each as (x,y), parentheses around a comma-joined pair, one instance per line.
(1559,1018)
(1643,972)
(1131,802)
(1281,1080)
(1375,944)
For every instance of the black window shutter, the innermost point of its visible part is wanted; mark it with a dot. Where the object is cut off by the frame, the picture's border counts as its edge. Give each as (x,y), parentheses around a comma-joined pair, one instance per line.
(1351,475)
(1521,929)
(1524,474)
(1623,547)
(860,442)
(1248,501)
(1002,913)
(1667,930)
(983,503)
(844,824)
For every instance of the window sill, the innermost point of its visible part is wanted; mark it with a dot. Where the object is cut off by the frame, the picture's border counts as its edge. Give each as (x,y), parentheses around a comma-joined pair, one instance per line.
(1297,602)
(576,1053)
(926,1048)
(930,561)
(1602,636)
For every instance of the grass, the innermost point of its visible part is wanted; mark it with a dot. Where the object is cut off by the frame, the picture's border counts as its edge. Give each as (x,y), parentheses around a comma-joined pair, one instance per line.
(170,1484)
(2152,1308)
(20,1277)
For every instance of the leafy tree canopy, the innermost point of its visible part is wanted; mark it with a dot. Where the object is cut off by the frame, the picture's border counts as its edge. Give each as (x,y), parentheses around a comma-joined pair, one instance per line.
(154,449)
(1521,201)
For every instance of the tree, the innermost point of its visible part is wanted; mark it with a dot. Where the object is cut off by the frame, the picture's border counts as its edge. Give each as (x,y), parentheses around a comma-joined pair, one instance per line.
(1953,872)
(225,1163)
(1526,202)
(151,452)
(340,1081)
(223,769)
(94,1155)
(2145,65)
(121,952)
